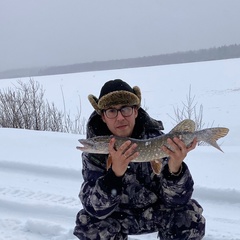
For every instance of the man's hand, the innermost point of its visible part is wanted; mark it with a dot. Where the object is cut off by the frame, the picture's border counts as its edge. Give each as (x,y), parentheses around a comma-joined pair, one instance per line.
(178,153)
(122,157)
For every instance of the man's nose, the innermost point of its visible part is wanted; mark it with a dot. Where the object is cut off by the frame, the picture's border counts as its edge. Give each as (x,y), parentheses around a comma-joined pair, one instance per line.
(120,116)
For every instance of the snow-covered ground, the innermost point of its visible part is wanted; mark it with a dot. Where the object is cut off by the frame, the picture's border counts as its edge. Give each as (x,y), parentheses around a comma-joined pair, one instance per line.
(40,172)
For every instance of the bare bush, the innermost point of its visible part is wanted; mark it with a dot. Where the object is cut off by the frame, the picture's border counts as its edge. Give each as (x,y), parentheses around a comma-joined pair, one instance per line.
(25,107)
(190,110)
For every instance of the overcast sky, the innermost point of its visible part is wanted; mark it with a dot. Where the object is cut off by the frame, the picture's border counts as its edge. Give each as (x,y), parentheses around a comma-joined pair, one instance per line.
(37,33)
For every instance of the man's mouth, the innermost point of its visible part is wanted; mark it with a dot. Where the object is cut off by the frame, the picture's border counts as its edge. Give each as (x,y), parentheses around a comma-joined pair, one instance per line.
(121,126)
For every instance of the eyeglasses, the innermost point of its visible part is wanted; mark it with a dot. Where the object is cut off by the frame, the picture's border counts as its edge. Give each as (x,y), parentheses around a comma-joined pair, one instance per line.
(126,111)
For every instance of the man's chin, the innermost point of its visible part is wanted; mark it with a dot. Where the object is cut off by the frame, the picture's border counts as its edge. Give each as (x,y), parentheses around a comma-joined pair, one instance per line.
(123,134)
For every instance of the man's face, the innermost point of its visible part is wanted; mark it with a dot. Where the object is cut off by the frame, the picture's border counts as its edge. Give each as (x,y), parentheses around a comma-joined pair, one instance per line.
(120,125)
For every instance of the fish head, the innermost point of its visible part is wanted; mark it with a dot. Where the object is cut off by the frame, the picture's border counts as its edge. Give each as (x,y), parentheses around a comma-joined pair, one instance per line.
(98,145)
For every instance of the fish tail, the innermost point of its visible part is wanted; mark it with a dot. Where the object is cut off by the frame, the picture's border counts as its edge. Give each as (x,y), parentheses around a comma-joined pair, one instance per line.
(211,135)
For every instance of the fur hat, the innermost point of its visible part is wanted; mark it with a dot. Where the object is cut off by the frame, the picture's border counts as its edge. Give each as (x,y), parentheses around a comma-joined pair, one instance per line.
(115,92)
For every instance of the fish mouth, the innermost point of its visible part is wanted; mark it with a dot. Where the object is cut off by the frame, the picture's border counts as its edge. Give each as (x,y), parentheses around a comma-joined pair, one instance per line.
(91,146)
(85,142)
(86,145)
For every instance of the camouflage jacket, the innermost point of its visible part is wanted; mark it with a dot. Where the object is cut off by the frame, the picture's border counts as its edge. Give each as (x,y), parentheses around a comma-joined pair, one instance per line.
(103,194)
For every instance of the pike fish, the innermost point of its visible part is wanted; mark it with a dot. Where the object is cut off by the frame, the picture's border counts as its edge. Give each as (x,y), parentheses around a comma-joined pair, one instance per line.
(150,149)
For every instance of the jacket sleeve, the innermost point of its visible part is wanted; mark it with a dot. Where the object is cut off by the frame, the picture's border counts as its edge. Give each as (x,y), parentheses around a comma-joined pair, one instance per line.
(101,189)
(176,190)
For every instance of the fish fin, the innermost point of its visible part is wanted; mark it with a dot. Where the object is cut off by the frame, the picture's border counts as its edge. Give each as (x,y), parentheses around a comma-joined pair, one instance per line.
(109,161)
(156,166)
(186,125)
(211,135)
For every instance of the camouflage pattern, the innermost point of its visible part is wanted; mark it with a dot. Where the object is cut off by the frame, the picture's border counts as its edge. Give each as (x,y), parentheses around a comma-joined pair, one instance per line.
(140,201)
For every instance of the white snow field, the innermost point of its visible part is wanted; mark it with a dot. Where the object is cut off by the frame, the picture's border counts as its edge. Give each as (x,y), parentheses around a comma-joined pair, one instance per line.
(40,172)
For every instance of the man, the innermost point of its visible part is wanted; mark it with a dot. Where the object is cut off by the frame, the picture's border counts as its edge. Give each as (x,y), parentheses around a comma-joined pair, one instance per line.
(128,198)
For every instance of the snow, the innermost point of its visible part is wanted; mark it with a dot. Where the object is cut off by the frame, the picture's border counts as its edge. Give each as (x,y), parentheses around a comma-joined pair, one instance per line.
(40,172)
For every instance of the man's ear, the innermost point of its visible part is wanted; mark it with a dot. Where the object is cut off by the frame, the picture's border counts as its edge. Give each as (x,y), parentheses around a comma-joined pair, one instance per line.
(103,117)
(136,112)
